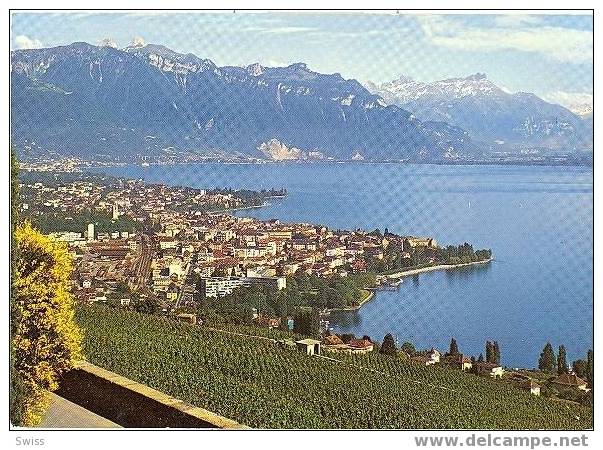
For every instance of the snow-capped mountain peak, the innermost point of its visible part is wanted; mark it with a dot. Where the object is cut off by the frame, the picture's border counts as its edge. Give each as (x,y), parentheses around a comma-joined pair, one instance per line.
(477,77)
(583,110)
(137,42)
(406,89)
(255,69)
(405,79)
(488,112)
(168,60)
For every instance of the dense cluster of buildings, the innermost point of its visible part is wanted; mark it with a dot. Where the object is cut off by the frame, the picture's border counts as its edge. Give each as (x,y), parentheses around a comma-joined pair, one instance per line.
(74,197)
(178,251)
(133,198)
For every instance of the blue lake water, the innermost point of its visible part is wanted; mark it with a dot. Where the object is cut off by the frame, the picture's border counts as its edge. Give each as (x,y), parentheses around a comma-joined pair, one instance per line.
(537,220)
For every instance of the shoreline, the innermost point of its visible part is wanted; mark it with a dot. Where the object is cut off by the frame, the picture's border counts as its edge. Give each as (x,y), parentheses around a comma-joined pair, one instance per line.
(211,161)
(398,275)
(34,166)
(406,273)
(242,208)
(368,298)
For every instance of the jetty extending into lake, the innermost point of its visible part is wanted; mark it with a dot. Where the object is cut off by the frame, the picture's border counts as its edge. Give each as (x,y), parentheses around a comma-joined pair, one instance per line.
(405,273)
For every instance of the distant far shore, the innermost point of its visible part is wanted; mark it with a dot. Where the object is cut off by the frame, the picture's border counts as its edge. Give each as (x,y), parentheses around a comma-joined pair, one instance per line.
(67,166)
(547,161)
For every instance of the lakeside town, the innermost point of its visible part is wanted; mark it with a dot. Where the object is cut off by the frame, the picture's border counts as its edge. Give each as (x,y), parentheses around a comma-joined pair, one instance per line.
(177,251)
(163,240)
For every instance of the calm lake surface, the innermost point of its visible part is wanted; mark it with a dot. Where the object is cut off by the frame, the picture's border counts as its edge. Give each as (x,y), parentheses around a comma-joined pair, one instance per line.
(538,221)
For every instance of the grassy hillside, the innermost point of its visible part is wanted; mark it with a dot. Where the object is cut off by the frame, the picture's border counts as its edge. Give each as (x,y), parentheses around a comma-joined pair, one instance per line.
(260,384)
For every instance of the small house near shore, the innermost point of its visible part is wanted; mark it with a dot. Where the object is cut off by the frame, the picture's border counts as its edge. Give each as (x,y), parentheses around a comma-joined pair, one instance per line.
(355,346)
(309,346)
(428,359)
(187,318)
(570,381)
(459,361)
(491,369)
(268,322)
(434,355)
(531,386)
(333,340)
(423,360)
(361,346)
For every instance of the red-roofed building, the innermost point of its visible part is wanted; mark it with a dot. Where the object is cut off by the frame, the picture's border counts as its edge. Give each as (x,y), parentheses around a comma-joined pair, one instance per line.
(570,380)
(361,345)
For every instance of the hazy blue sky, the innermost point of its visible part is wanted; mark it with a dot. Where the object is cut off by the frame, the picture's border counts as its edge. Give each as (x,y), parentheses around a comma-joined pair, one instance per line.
(550,55)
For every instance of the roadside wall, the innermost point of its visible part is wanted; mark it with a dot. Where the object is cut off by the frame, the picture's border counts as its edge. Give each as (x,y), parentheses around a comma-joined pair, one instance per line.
(134,405)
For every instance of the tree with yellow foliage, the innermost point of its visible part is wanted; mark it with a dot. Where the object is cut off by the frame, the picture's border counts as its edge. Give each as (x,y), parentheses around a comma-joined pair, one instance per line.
(16,385)
(46,340)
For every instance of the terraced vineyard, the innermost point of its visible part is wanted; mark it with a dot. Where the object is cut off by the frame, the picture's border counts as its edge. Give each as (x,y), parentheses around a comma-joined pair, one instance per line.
(260,384)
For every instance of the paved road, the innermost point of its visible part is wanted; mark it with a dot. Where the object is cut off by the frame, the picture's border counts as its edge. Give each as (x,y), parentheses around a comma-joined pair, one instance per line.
(65,414)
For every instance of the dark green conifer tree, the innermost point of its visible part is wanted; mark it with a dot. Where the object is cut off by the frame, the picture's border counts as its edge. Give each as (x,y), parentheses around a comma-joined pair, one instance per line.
(547,361)
(454,348)
(590,369)
(562,361)
(489,352)
(389,346)
(496,352)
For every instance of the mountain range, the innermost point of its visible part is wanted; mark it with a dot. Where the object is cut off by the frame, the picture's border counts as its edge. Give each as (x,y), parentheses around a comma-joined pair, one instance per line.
(496,118)
(147,101)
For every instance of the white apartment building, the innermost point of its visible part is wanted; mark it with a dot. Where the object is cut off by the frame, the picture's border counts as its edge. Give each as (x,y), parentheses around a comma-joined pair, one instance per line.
(221,286)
